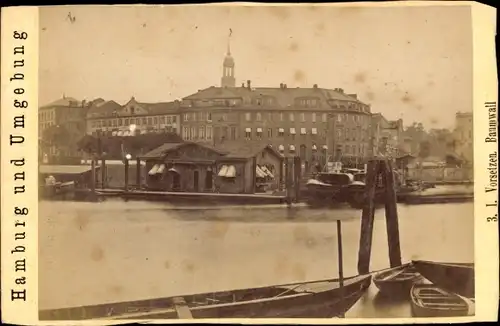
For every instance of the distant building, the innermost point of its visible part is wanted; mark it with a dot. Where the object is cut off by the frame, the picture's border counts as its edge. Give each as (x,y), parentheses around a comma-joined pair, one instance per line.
(113,119)
(464,136)
(387,137)
(314,123)
(67,113)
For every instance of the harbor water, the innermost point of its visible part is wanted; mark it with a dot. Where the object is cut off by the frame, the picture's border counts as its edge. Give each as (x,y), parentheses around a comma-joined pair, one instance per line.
(92,253)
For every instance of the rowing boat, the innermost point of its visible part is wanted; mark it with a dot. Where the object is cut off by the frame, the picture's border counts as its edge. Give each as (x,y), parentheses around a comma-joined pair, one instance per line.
(397,281)
(317,299)
(431,301)
(453,277)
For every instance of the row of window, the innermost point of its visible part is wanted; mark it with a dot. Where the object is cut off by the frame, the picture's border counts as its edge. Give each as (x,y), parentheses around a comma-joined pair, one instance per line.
(147,121)
(45,125)
(46,115)
(346,149)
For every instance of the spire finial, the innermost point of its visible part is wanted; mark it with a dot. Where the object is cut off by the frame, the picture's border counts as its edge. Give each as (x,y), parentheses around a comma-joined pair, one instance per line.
(229,42)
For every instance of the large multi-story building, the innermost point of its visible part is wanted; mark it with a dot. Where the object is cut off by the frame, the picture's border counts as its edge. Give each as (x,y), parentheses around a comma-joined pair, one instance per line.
(66,113)
(112,119)
(314,123)
(464,136)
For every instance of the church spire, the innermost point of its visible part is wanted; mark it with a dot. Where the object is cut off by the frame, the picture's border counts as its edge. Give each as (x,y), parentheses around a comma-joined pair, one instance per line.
(228,79)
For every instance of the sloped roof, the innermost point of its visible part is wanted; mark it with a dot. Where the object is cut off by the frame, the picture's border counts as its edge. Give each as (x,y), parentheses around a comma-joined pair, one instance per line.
(65,101)
(284,96)
(167,147)
(104,107)
(244,149)
(159,108)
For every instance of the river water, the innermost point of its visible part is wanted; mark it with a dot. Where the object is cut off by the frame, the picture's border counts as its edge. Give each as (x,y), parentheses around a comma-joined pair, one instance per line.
(111,251)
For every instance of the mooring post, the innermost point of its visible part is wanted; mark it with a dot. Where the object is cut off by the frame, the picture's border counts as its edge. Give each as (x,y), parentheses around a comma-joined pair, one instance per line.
(341,268)
(126,175)
(103,173)
(92,182)
(365,239)
(297,176)
(138,173)
(391,215)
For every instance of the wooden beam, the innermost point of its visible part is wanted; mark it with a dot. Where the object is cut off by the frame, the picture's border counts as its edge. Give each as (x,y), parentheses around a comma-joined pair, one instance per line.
(365,239)
(391,215)
(182,308)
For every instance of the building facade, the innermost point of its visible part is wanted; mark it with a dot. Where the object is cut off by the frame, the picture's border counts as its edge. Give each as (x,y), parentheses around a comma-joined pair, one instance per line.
(133,118)
(387,137)
(62,118)
(464,136)
(314,123)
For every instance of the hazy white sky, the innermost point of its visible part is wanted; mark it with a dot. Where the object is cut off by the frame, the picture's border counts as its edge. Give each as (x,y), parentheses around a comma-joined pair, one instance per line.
(408,62)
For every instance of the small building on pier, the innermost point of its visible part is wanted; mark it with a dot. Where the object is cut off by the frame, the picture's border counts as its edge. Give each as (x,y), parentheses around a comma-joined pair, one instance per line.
(81,175)
(196,167)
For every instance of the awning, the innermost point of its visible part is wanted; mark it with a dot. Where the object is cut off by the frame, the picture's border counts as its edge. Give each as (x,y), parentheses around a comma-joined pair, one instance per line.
(231,172)
(281,130)
(126,133)
(267,172)
(161,168)
(260,173)
(64,169)
(114,133)
(292,148)
(303,131)
(292,131)
(173,170)
(143,132)
(154,169)
(325,147)
(314,147)
(119,133)
(281,148)
(259,129)
(248,130)
(314,131)
(223,171)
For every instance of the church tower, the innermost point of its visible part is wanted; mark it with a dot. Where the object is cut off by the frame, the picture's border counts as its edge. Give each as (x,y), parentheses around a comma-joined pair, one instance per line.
(228,79)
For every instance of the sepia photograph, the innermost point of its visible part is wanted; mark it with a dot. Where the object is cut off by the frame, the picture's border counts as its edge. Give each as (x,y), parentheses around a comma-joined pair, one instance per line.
(256,161)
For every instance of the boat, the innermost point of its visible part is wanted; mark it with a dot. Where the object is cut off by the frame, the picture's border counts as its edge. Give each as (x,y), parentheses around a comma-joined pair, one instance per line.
(428,300)
(397,281)
(454,277)
(317,299)
(328,187)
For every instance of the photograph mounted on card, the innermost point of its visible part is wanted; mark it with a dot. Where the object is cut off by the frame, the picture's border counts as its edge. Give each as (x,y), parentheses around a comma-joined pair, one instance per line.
(319,166)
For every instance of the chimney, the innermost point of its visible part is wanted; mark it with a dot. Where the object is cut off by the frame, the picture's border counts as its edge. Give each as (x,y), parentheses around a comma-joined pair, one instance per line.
(83,103)
(249,84)
(243,85)
(281,85)
(284,86)
(341,90)
(355,96)
(315,86)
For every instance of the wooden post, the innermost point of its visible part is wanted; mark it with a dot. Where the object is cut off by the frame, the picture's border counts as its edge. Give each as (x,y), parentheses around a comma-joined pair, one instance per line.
(282,175)
(126,175)
(365,240)
(92,182)
(341,268)
(103,173)
(297,176)
(138,173)
(287,181)
(391,215)
(254,174)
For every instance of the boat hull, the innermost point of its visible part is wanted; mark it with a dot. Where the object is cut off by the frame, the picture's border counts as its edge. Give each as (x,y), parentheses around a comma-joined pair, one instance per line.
(322,299)
(430,301)
(397,281)
(454,277)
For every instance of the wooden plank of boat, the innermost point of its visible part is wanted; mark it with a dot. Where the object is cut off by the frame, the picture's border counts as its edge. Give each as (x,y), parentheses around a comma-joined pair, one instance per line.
(431,301)
(453,277)
(317,299)
(182,308)
(398,280)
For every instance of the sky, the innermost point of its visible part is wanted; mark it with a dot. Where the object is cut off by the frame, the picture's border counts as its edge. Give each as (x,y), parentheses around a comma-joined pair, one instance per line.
(413,63)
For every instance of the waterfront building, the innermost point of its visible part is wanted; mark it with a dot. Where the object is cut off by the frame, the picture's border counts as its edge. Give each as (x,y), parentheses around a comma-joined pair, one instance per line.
(315,123)
(387,137)
(195,167)
(63,118)
(112,119)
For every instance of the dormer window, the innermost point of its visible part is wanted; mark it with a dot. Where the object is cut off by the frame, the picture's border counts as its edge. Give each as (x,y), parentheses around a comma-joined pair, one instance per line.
(132,110)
